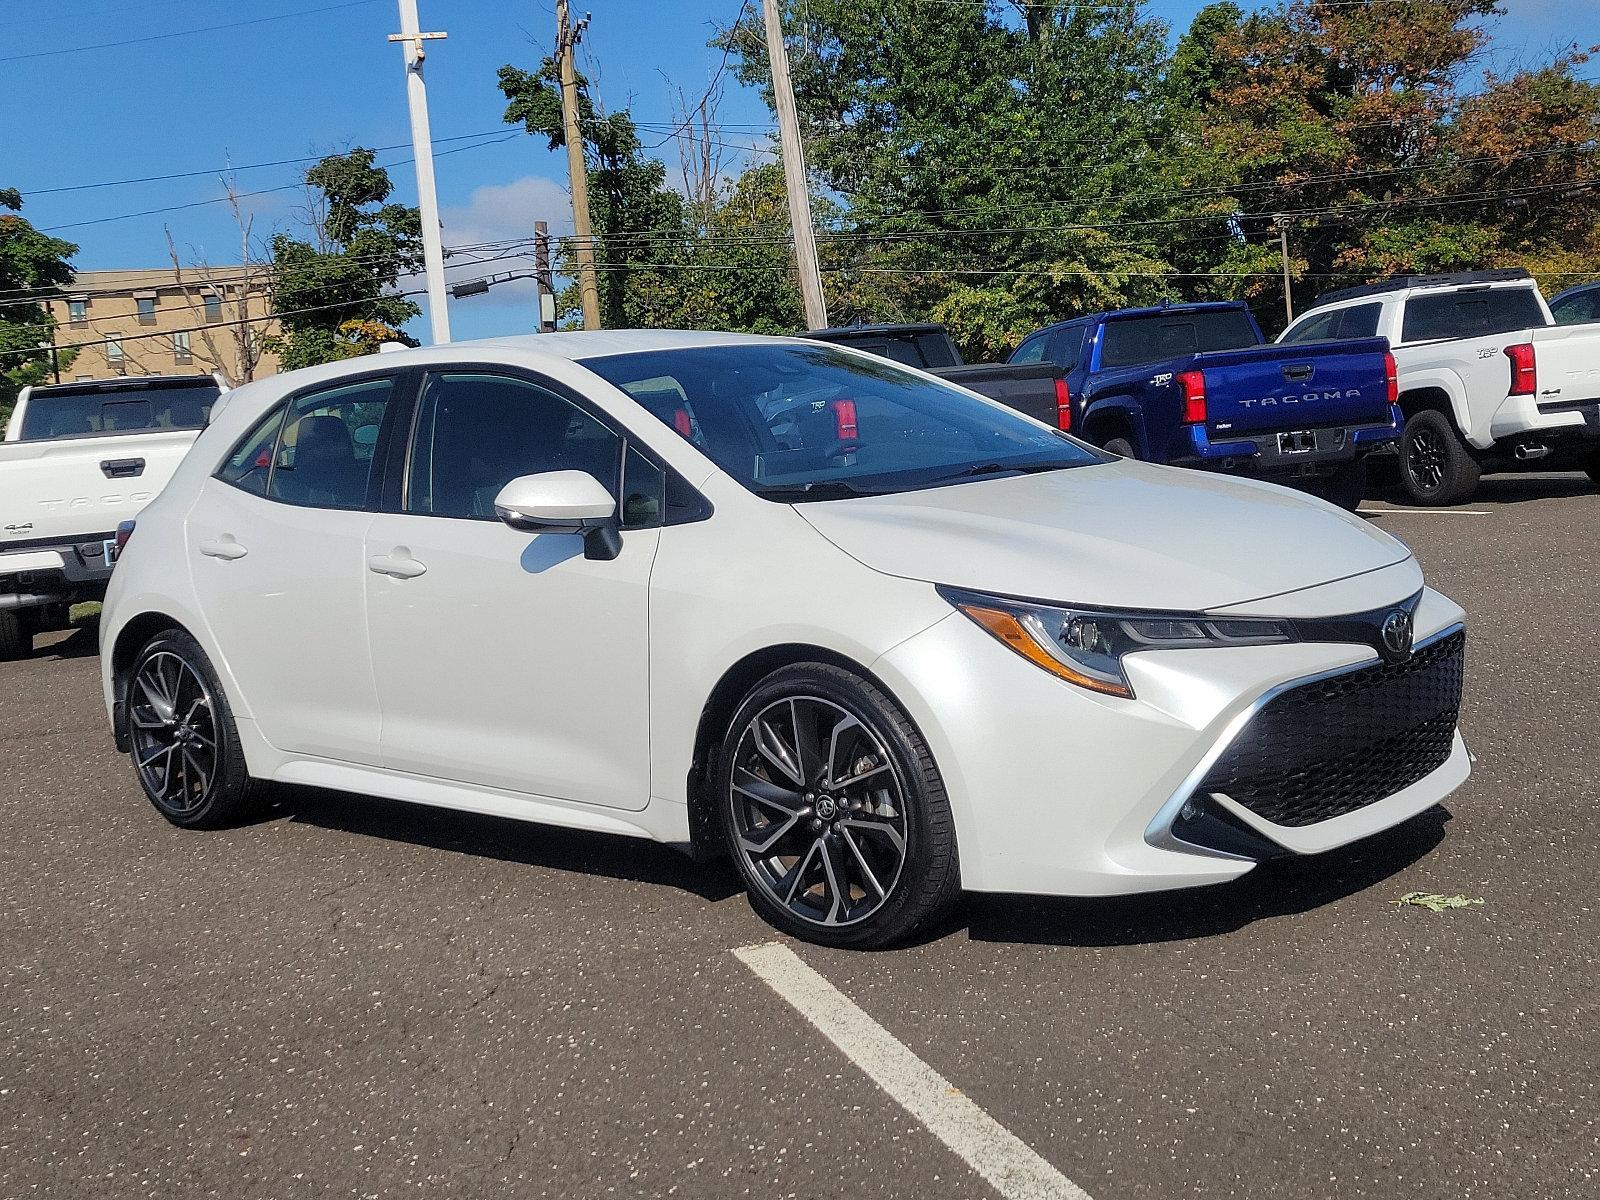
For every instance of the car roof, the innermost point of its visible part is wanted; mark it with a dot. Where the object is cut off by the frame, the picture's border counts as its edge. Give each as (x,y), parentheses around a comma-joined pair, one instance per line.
(578,345)
(1575,289)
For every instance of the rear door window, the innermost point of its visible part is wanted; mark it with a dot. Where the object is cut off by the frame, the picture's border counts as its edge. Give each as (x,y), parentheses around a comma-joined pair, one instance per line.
(1479,312)
(326,448)
(1032,349)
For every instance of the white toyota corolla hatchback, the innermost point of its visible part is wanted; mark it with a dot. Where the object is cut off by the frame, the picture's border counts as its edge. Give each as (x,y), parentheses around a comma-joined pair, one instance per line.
(877,638)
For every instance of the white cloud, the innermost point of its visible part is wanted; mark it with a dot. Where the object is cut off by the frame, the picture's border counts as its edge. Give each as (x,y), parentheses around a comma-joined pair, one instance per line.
(498,213)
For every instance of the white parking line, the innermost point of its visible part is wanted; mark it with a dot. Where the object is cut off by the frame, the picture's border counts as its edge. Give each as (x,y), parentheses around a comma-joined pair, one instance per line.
(1428,512)
(984,1144)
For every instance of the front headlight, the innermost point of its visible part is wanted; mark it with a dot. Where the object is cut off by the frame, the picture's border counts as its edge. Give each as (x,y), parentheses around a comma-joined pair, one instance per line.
(1086,646)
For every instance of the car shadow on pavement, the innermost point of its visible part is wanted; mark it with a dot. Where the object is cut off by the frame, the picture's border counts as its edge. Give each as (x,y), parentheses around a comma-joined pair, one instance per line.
(608,855)
(1274,889)
(82,640)
(1513,487)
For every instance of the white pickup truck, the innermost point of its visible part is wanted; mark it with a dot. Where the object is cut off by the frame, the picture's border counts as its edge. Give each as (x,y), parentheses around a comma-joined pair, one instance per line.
(1487,381)
(79,459)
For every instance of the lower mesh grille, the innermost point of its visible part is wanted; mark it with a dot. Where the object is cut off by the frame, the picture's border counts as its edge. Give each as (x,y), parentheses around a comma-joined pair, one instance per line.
(1332,747)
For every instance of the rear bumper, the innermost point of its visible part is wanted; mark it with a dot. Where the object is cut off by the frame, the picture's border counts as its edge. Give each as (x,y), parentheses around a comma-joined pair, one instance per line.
(1300,452)
(50,573)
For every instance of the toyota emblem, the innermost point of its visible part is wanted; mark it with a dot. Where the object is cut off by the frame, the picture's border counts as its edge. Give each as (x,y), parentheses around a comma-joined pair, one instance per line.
(1397,634)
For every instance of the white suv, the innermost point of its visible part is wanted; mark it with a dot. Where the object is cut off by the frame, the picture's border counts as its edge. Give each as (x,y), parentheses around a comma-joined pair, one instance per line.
(874,636)
(1486,380)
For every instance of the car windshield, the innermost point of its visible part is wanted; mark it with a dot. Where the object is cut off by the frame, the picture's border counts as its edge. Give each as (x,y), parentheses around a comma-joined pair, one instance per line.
(795,422)
(69,412)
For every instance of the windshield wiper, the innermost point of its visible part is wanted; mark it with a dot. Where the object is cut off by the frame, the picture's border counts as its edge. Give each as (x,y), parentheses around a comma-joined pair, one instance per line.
(817,489)
(1005,468)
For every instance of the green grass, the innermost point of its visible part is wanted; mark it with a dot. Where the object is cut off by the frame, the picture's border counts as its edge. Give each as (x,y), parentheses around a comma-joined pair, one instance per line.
(82,612)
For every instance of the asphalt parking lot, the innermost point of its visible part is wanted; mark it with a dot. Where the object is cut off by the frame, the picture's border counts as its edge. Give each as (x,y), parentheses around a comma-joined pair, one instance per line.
(357,998)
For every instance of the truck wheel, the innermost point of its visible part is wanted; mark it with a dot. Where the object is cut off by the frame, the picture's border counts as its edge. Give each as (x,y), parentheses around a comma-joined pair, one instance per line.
(1436,468)
(1346,487)
(1121,447)
(16,635)
(1591,466)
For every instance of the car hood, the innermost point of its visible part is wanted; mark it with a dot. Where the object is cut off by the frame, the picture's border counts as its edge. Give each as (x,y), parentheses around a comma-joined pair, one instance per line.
(1120,535)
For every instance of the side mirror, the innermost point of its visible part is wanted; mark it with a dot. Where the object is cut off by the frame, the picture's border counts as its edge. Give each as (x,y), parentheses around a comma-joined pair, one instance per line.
(563,502)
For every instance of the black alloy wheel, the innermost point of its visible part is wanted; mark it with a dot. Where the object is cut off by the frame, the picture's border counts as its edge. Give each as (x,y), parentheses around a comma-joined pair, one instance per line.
(834,811)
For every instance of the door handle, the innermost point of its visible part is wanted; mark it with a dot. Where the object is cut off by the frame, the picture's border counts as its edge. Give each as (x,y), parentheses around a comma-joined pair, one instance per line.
(223,547)
(1298,372)
(396,566)
(122,468)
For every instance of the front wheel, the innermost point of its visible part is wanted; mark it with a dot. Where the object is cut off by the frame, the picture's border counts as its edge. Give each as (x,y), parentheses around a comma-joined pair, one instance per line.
(834,811)
(185,747)
(1591,466)
(1436,468)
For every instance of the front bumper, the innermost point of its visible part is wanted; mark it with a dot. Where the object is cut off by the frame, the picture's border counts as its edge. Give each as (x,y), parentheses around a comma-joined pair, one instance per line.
(1058,791)
(1307,452)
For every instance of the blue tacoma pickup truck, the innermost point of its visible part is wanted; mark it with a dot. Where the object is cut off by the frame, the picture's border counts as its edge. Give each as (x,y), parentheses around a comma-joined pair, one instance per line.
(1196,385)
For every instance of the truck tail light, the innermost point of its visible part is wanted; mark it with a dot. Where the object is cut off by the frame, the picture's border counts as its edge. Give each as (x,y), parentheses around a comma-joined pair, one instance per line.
(844,420)
(682,423)
(1193,386)
(1063,406)
(1391,377)
(120,541)
(1524,370)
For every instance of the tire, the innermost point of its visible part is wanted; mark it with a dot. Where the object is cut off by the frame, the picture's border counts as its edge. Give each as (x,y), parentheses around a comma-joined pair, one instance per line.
(185,746)
(794,823)
(1346,487)
(1121,447)
(16,635)
(1436,468)
(1591,467)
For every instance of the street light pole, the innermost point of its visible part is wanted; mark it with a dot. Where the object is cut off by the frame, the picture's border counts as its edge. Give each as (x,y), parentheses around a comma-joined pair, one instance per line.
(411,37)
(1283,249)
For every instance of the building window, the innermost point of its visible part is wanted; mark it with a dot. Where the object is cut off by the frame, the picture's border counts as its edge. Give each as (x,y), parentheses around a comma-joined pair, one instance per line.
(78,310)
(147,309)
(180,347)
(213,308)
(114,355)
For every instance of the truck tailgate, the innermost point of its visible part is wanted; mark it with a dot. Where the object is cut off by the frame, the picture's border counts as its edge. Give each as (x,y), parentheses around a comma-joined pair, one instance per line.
(1302,386)
(1567,359)
(1028,388)
(71,487)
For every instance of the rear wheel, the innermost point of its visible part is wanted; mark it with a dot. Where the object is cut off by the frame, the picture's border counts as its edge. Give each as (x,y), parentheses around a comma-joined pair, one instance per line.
(16,635)
(185,747)
(1120,446)
(1591,466)
(1436,468)
(834,811)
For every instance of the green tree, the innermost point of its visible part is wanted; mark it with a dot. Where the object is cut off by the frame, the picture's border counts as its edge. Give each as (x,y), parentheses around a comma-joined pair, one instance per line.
(988,164)
(29,261)
(334,291)
(1362,123)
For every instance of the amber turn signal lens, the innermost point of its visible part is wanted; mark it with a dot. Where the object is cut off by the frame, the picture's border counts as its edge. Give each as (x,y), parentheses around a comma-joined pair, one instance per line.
(1009,630)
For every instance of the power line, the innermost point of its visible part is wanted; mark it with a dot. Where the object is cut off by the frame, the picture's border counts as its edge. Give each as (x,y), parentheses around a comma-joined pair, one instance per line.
(716,78)
(178,33)
(287,187)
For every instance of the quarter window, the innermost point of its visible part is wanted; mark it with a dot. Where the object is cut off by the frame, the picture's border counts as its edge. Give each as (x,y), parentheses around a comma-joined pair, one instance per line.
(477,432)
(325,453)
(251,462)
(1032,349)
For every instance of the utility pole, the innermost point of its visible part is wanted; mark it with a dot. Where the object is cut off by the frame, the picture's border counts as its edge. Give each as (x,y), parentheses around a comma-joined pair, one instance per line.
(544,285)
(1282,223)
(567,38)
(794,171)
(411,37)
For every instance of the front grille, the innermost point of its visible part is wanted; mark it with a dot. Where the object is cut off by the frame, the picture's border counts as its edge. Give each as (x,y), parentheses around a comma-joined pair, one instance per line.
(1332,747)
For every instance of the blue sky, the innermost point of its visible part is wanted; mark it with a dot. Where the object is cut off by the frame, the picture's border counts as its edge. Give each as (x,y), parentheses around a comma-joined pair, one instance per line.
(320,81)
